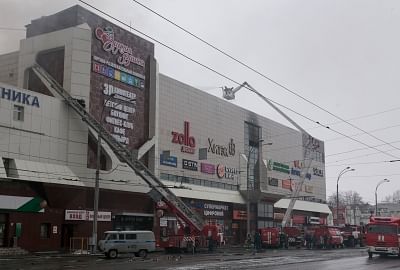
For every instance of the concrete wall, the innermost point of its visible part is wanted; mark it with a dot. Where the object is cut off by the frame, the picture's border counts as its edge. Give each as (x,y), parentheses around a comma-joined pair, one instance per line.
(213,118)
(9,68)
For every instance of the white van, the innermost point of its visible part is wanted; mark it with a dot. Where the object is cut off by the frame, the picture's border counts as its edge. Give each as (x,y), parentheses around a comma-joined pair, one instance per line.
(138,242)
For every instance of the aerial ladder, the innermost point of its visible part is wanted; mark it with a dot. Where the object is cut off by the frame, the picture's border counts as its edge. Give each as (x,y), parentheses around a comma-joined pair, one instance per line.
(229,94)
(158,190)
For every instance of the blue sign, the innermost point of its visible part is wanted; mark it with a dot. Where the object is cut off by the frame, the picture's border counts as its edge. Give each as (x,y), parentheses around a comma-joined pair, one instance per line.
(170,161)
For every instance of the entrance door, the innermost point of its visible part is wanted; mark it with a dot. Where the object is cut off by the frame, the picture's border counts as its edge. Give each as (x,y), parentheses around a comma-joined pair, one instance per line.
(67,232)
(3,235)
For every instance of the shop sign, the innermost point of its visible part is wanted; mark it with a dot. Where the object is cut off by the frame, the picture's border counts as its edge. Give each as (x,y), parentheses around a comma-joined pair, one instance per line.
(239,215)
(287,184)
(189,165)
(20,97)
(221,150)
(119,113)
(118,75)
(298,164)
(101,216)
(277,166)
(188,142)
(226,172)
(314,220)
(294,171)
(207,168)
(170,161)
(75,215)
(273,181)
(84,215)
(107,38)
(55,229)
(318,172)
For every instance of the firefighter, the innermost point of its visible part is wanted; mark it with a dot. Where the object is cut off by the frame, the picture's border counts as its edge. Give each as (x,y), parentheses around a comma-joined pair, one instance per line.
(257,241)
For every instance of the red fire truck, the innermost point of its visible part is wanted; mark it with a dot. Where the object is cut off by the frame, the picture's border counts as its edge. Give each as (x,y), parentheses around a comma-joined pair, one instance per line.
(270,237)
(382,236)
(175,235)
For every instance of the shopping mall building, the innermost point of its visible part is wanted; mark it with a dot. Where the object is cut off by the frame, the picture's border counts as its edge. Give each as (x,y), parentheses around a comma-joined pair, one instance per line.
(213,154)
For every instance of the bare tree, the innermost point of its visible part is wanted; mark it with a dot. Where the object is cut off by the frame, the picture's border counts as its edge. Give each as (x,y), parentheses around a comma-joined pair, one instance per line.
(395,197)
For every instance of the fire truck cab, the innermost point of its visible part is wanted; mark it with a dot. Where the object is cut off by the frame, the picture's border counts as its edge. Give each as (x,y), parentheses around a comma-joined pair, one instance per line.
(383,236)
(270,237)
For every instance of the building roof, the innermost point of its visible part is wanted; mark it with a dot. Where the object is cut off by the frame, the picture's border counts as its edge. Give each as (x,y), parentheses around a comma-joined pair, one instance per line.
(304,206)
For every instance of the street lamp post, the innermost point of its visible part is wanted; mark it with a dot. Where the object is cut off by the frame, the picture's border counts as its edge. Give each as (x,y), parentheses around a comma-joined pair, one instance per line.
(376,194)
(345,170)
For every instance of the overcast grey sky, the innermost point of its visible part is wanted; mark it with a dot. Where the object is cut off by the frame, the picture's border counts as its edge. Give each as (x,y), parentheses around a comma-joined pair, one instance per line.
(343,55)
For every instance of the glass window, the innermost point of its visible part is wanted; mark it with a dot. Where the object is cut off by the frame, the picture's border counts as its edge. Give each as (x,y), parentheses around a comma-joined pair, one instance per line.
(18,113)
(45,230)
(382,229)
(130,236)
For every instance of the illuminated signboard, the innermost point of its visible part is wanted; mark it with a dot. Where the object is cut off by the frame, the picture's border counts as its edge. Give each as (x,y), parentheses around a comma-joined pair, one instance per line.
(188,142)
(207,168)
(189,165)
(170,161)
(117,75)
(107,38)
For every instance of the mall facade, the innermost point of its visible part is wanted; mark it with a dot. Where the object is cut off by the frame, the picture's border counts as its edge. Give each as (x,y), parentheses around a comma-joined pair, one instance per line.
(214,155)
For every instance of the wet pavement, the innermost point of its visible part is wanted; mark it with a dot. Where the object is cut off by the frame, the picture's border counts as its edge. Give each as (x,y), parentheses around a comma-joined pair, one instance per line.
(223,259)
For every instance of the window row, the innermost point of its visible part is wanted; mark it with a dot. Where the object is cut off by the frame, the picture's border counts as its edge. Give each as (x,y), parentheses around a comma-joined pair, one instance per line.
(196,181)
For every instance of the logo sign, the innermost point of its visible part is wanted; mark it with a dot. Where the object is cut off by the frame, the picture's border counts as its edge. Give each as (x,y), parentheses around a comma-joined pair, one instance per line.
(221,150)
(318,172)
(207,168)
(188,142)
(220,171)
(315,149)
(226,172)
(125,58)
(170,161)
(17,96)
(273,181)
(287,184)
(189,165)
(279,167)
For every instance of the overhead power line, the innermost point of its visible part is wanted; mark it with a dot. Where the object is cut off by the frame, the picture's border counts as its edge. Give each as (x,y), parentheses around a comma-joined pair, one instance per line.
(226,77)
(262,74)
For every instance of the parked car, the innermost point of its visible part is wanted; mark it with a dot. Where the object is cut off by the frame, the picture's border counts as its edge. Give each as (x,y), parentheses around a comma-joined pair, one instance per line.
(138,242)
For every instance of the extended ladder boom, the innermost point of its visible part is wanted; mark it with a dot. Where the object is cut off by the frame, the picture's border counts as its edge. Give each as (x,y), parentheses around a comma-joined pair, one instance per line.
(158,189)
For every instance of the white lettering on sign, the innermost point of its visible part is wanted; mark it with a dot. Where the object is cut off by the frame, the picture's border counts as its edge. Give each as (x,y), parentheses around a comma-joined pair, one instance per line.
(216,206)
(110,89)
(106,36)
(119,112)
(213,213)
